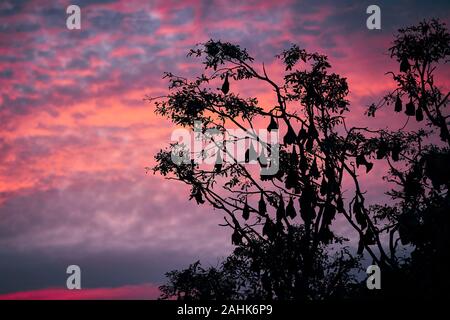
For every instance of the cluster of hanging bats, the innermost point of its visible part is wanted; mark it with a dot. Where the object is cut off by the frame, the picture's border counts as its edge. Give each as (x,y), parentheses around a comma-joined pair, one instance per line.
(410,109)
(308,198)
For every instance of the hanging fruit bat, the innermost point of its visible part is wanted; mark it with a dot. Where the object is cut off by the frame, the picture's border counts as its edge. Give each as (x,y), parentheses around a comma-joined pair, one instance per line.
(246,211)
(262,208)
(395,152)
(269,229)
(290,209)
(290,136)
(410,109)
(294,157)
(398,104)
(329,213)
(419,114)
(306,202)
(226,85)
(273,125)
(291,178)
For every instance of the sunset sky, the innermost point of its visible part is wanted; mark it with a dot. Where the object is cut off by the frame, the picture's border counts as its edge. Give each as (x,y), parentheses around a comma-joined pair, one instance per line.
(76,135)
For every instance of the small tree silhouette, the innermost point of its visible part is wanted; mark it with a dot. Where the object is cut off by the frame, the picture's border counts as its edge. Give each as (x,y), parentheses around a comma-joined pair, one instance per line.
(262,270)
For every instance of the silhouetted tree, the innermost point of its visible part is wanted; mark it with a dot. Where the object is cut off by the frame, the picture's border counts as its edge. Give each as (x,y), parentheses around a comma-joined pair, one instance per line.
(420,167)
(317,153)
(313,158)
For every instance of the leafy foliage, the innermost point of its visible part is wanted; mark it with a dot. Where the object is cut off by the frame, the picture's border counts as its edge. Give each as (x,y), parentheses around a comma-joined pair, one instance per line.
(267,271)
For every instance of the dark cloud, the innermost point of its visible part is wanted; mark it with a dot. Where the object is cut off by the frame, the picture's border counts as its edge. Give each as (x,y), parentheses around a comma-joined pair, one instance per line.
(183,16)
(7,73)
(37,269)
(53,16)
(12,7)
(78,63)
(19,27)
(56,228)
(106,20)
(19,105)
(141,23)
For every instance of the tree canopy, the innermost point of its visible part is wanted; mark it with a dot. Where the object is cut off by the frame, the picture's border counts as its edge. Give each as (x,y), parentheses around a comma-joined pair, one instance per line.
(282,222)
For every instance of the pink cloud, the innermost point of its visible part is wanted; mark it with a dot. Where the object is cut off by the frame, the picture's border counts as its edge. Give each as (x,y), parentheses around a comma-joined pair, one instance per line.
(131,292)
